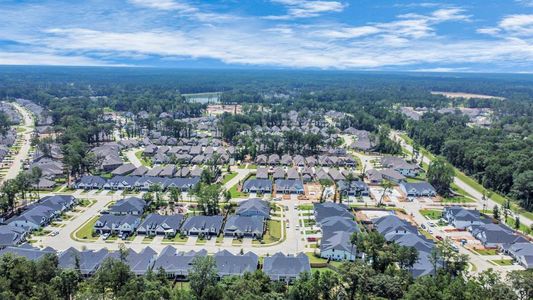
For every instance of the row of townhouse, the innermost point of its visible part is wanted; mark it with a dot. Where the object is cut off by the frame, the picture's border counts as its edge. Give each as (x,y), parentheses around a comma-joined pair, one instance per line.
(130,182)
(125,217)
(169,170)
(265,186)
(337,224)
(491,235)
(309,161)
(176,264)
(35,216)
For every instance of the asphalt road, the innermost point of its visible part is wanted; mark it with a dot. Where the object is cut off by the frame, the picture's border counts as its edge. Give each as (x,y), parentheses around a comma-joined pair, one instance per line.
(24,150)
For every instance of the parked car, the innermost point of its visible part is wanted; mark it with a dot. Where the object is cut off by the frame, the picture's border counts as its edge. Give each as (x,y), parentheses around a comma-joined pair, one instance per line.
(438,237)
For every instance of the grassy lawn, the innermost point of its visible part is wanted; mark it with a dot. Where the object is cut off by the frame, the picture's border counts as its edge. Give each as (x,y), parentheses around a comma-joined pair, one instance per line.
(147,239)
(236,194)
(201,241)
(309,222)
(273,232)
(145,162)
(86,202)
(229,177)
(220,238)
(511,223)
(85,232)
(486,251)
(432,214)
(305,207)
(236,242)
(503,262)
(313,259)
(177,239)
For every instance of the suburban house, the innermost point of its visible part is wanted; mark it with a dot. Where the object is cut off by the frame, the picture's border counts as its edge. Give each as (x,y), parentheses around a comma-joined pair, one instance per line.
(493,235)
(286,186)
(354,188)
(244,226)
(88,261)
(11,236)
(262,173)
(287,268)
(117,224)
(156,224)
(400,165)
(262,186)
(254,207)
(202,225)
(326,210)
(141,262)
(124,169)
(176,264)
(461,218)
(418,189)
(338,246)
(229,264)
(128,206)
(522,252)
(27,251)
(90,182)
(43,212)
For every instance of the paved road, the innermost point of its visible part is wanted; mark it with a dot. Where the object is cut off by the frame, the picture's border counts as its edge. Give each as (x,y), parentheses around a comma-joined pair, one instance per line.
(241,174)
(24,151)
(489,203)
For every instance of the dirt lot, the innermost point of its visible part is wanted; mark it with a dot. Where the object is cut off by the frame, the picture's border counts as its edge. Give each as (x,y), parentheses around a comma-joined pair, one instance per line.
(313,191)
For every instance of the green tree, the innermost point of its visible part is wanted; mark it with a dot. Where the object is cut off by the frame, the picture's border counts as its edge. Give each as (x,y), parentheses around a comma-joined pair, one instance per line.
(440,174)
(203,276)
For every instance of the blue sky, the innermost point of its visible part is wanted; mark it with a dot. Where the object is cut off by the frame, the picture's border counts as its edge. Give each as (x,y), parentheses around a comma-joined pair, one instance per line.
(445,36)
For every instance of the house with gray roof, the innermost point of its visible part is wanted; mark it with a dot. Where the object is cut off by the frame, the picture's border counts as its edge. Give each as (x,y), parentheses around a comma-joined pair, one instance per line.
(245,226)
(141,262)
(254,207)
(418,189)
(128,206)
(176,264)
(88,261)
(461,218)
(27,251)
(89,182)
(278,173)
(273,159)
(263,186)
(286,186)
(154,171)
(287,268)
(229,264)
(140,171)
(353,188)
(11,236)
(262,173)
(116,224)
(400,165)
(326,210)
(338,246)
(156,224)
(202,225)
(522,252)
(124,169)
(168,171)
(493,235)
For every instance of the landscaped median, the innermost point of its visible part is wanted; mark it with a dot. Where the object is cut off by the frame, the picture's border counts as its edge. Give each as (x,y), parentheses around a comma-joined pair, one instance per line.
(84,233)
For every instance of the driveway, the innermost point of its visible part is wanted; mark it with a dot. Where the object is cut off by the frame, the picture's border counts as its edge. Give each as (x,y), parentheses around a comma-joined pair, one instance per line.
(130,154)
(191,241)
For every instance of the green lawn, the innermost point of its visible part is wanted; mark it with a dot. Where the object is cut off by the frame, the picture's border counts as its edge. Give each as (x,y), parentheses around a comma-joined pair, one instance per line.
(236,194)
(486,251)
(85,232)
(144,161)
(503,262)
(305,207)
(229,177)
(177,239)
(511,223)
(432,214)
(273,232)
(147,239)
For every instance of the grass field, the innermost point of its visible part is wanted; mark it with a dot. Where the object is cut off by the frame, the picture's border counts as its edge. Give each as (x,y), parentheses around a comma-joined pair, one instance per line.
(85,232)
(273,232)
(236,194)
(432,214)
(503,262)
(144,161)
(486,251)
(229,177)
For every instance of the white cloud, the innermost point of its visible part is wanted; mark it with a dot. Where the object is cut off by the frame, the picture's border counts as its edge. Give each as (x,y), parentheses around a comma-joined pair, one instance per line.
(306,9)
(165,5)
(48,59)
(512,26)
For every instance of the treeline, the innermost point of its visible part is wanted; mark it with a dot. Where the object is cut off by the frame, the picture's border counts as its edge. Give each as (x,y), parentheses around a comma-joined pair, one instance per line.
(380,279)
(498,158)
